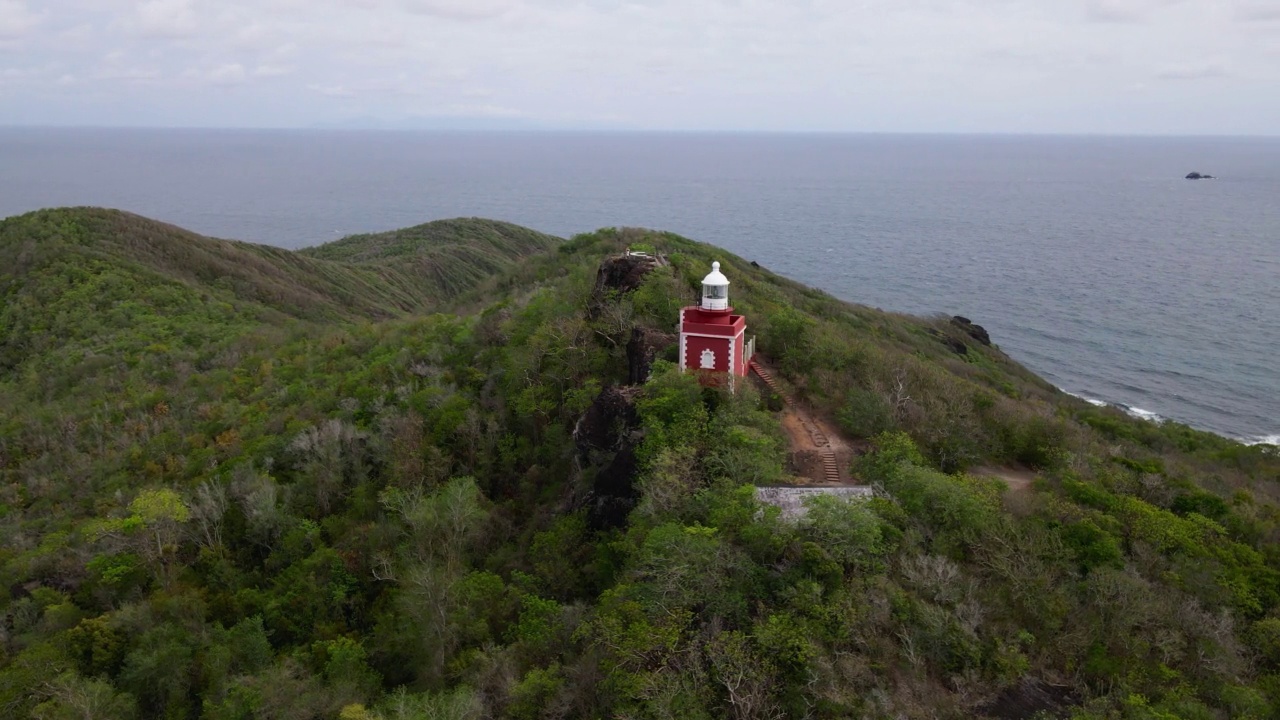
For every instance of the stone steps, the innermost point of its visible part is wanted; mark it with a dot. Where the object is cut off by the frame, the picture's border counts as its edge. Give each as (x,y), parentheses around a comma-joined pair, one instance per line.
(830,468)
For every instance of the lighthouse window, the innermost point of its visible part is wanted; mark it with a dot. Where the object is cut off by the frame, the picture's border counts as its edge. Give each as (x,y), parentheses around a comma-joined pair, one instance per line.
(715,292)
(708,360)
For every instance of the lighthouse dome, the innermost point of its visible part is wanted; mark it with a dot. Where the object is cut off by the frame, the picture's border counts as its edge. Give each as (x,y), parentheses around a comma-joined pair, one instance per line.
(715,290)
(715,277)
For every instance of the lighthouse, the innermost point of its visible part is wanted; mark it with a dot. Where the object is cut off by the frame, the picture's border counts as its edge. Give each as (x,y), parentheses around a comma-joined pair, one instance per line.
(713,341)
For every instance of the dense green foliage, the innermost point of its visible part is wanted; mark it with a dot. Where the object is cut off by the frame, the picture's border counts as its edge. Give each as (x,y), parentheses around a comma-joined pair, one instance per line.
(225,493)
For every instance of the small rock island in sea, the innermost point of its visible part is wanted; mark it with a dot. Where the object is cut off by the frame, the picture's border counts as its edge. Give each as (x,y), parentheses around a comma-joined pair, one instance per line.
(1198,176)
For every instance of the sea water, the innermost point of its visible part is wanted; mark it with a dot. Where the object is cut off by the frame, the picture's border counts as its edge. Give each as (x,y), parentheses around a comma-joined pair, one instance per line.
(1089,259)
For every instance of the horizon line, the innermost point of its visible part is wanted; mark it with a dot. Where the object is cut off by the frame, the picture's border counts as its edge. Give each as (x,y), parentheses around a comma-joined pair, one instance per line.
(638,131)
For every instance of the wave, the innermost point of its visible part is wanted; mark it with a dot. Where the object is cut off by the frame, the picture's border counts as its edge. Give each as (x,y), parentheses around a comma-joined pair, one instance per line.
(1129,410)
(1092,401)
(1149,416)
(1141,414)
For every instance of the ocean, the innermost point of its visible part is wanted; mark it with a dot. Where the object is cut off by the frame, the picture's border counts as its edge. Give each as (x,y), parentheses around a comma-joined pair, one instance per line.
(1089,259)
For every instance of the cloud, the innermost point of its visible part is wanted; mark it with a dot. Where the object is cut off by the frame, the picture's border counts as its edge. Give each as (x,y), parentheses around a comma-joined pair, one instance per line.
(485,111)
(79,33)
(896,65)
(127,74)
(466,10)
(16,20)
(254,35)
(1114,11)
(228,74)
(1253,12)
(270,71)
(1128,11)
(167,18)
(18,74)
(337,91)
(1193,72)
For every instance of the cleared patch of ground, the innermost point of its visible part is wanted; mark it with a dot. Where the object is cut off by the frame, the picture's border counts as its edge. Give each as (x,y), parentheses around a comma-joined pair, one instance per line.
(797,436)
(818,453)
(1018,479)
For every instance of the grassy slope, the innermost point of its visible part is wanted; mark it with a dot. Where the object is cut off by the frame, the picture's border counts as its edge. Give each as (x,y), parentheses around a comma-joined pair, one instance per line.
(84,282)
(364,276)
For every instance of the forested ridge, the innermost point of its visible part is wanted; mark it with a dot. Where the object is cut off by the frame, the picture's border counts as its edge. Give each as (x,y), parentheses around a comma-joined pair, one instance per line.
(354,483)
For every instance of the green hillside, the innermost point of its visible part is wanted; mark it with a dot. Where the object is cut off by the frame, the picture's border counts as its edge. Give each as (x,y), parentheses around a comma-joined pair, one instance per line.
(399,477)
(91,286)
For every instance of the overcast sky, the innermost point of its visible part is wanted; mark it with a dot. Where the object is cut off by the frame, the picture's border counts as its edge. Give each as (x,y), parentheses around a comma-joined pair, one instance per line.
(1092,66)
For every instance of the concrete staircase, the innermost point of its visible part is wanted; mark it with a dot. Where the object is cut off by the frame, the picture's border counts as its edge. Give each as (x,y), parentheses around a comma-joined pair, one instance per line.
(830,469)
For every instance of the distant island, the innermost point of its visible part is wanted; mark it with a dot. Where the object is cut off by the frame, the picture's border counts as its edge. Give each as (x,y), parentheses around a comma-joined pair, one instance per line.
(1198,176)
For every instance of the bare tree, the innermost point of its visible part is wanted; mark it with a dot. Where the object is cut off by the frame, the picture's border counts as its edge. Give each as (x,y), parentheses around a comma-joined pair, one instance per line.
(208,505)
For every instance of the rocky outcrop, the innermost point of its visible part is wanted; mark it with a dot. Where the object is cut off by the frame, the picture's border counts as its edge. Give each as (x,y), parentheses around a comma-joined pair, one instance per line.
(1031,698)
(624,272)
(603,427)
(1198,176)
(606,437)
(956,345)
(645,346)
(618,275)
(614,494)
(977,332)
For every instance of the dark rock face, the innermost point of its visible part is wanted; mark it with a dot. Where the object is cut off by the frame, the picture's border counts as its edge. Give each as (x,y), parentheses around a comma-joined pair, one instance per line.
(623,272)
(956,345)
(618,275)
(1031,698)
(606,437)
(1198,176)
(646,344)
(977,332)
(614,495)
(604,426)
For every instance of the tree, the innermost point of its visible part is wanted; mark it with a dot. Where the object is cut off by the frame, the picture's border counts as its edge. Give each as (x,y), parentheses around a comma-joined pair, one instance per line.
(154,527)
(789,335)
(208,506)
(77,698)
(438,526)
(160,514)
(747,676)
(846,528)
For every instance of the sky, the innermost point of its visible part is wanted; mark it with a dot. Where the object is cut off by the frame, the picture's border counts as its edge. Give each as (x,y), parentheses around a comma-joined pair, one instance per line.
(998,66)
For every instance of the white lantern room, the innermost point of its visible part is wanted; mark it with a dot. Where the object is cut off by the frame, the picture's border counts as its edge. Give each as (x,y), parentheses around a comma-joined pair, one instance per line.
(715,290)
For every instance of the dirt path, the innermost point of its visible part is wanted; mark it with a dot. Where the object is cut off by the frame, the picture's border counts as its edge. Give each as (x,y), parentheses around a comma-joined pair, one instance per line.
(1017,479)
(817,449)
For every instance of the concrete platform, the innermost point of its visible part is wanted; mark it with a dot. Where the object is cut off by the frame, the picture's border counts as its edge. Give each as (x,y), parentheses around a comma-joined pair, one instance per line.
(791,499)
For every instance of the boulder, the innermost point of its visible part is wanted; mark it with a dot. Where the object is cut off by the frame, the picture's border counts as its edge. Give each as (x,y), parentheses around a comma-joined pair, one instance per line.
(977,332)
(645,346)
(1198,176)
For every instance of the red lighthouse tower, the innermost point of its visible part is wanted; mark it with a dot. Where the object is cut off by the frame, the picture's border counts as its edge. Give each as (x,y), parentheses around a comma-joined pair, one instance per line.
(713,341)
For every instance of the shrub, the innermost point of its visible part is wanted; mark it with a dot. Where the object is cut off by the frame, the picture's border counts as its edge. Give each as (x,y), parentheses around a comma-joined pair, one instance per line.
(1092,546)
(865,413)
